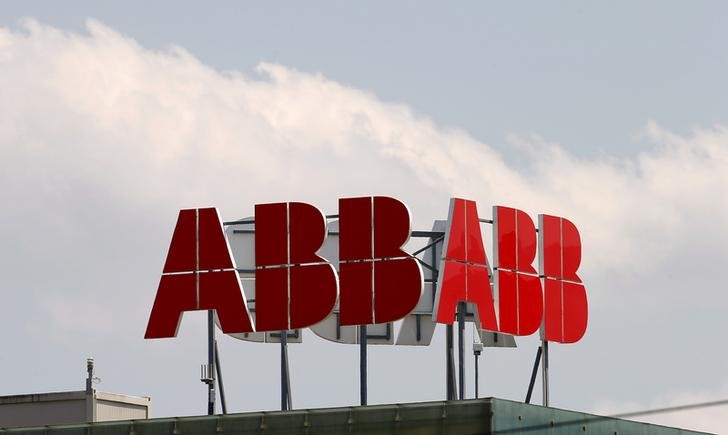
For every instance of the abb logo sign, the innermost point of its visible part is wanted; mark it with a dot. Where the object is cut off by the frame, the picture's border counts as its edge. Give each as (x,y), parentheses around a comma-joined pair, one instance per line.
(527,299)
(377,281)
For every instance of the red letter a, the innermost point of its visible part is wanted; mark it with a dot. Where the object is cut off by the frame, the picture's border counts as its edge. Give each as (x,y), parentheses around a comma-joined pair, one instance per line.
(199,274)
(464,268)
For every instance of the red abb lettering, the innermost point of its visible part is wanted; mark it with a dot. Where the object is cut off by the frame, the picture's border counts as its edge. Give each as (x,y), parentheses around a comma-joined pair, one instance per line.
(566,309)
(199,274)
(295,288)
(464,272)
(520,300)
(379,281)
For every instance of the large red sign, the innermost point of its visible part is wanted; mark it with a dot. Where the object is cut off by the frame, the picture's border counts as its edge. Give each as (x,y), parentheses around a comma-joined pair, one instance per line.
(377,281)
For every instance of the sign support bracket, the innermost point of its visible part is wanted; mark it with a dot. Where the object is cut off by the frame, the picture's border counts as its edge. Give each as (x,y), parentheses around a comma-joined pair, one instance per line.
(363,364)
(461,349)
(286,401)
(218,370)
(210,362)
(533,375)
(450,360)
(545,372)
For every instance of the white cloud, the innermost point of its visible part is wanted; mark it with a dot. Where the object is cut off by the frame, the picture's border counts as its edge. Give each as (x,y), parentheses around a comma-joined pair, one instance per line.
(102,140)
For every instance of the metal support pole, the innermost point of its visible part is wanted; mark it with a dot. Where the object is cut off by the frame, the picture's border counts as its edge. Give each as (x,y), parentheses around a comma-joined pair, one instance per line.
(363,365)
(449,357)
(461,349)
(286,402)
(289,394)
(477,357)
(219,379)
(450,362)
(545,372)
(533,375)
(211,362)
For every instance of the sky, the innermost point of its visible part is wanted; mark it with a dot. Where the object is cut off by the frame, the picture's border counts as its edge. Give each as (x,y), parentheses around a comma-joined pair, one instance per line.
(115,115)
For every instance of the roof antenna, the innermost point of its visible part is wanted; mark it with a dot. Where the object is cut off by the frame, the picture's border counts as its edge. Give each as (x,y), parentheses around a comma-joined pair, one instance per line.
(90,379)
(477,350)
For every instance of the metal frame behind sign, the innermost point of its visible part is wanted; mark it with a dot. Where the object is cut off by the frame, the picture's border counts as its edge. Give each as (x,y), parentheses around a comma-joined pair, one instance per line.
(429,257)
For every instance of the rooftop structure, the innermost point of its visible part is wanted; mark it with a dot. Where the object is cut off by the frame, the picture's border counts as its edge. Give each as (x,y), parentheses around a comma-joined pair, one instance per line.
(476,416)
(71,407)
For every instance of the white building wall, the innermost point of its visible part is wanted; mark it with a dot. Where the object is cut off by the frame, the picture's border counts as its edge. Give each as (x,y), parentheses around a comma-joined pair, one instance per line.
(111,411)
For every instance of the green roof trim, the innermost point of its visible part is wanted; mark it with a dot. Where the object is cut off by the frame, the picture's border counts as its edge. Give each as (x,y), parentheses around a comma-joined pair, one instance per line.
(476,416)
